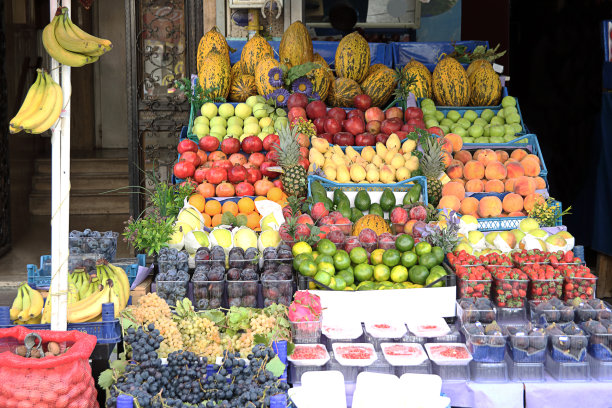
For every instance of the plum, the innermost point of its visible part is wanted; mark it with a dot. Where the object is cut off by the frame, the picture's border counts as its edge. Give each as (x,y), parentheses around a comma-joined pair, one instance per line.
(368,236)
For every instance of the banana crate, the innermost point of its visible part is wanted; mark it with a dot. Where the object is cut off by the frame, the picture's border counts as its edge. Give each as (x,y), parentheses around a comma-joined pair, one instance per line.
(40,278)
(108,331)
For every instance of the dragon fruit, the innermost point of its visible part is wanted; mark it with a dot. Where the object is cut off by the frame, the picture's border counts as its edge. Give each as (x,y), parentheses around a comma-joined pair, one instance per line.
(306,307)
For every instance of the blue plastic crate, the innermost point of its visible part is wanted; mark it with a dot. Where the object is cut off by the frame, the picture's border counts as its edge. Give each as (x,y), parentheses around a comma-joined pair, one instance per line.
(108,331)
(427,53)
(402,186)
(508,223)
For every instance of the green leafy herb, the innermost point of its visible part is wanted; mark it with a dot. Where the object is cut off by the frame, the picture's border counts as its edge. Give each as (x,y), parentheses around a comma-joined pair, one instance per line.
(480,52)
(276,366)
(106,379)
(300,71)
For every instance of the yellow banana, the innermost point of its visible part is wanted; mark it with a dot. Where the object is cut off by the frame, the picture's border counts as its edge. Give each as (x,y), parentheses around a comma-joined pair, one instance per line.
(56,51)
(25,310)
(45,108)
(46,315)
(117,302)
(31,103)
(85,286)
(36,301)
(92,307)
(73,293)
(125,283)
(117,274)
(55,112)
(106,44)
(70,41)
(17,305)
(35,320)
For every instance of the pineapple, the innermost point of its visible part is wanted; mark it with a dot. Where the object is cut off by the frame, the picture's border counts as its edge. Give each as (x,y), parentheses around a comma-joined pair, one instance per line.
(432,166)
(294,175)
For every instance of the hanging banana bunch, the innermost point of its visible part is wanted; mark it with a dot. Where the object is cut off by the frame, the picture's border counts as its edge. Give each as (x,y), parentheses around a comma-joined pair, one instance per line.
(41,108)
(70,45)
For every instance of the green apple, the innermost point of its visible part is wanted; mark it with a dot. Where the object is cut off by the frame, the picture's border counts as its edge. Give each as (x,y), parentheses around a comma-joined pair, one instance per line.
(242,110)
(200,130)
(427,102)
(260,110)
(438,115)
(244,136)
(209,110)
(508,129)
(509,138)
(497,131)
(509,110)
(470,115)
(476,131)
(265,122)
(262,135)
(431,123)
(487,115)
(486,131)
(234,130)
(281,112)
(235,121)
(481,122)
(251,129)
(226,110)
(268,130)
(250,121)
(218,121)
(280,123)
(221,130)
(464,123)
(255,99)
(508,101)
(468,139)
(497,140)
(513,118)
(501,114)
(201,119)
(517,127)
(482,139)
(445,129)
(429,117)
(460,130)
(446,122)
(453,115)
(428,110)
(497,120)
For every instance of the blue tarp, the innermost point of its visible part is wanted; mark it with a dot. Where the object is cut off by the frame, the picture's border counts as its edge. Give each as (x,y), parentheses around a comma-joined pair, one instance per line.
(426,52)
(379,53)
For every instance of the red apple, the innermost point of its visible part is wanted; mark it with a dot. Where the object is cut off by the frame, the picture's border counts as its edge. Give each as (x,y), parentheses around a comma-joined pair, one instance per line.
(382,138)
(327,136)
(389,126)
(187,145)
(374,114)
(297,99)
(355,112)
(316,109)
(434,130)
(417,122)
(337,113)
(320,124)
(362,102)
(354,125)
(365,139)
(373,127)
(296,112)
(332,126)
(344,139)
(413,113)
(394,112)
(401,134)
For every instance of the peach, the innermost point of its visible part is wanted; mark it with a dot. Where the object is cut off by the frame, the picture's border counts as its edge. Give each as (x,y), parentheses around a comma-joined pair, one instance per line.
(477,154)
(446,145)
(463,156)
(540,183)
(494,186)
(517,214)
(514,169)
(408,227)
(502,155)
(474,170)
(512,202)
(518,154)
(524,186)
(489,206)
(454,189)
(462,181)
(469,205)
(474,214)
(495,171)
(455,170)
(509,185)
(532,156)
(487,156)
(446,159)
(474,186)
(532,199)
(531,166)
(449,201)
(455,140)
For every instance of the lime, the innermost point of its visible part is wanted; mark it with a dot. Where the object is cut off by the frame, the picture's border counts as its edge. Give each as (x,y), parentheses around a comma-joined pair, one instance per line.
(398,286)
(340,283)
(438,270)
(439,253)
(404,243)
(376,256)
(433,276)
(323,278)
(363,272)
(349,288)
(347,276)
(399,273)
(409,259)
(324,258)
(301,248)
(327,268)
(359,255)
(332,283)
(428,260)
(418,274)
(326,247)
(367,285)
(342,260)
(422,248)
(381,273)
(312,285)
(308,268)
(391,257)
(297,261)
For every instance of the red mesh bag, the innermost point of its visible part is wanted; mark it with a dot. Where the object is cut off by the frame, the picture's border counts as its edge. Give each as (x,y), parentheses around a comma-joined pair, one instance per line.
(63,381)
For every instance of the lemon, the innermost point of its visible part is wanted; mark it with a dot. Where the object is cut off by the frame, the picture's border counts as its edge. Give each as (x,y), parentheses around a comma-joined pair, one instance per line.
(301,248)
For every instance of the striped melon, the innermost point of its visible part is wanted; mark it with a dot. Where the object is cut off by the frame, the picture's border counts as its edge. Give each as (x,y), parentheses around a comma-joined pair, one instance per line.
(296,45)
(318,59)
(485,87)
(255,50)
(242,87)
(474,65)
(342,92)
(212,40)
(372,221)
(236,69)
(353,57)
(374,68)
(380,86)
(215,73)
(422,87)
(320,82)
(450,83)
(262,79)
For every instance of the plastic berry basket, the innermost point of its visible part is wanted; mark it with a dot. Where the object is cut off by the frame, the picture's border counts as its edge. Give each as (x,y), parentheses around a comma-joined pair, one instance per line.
(582,287)
(568,347)
(510,292)
(242,293)
(600,344)
(486,348)
(474,288)
(592,309)
(208,294)
(165,266)
(545,289)
(171,291)
(277,291)
(306,332)
(104,245)
(469,311)
(544,312)
(525,347)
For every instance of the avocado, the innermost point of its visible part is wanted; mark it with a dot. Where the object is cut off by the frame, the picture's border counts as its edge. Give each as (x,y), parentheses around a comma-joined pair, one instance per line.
(376,209)
(362,200)
(413,195)
(387,200)
(345,208)
(329,204)
(317,191)
(339,195)
(355,214)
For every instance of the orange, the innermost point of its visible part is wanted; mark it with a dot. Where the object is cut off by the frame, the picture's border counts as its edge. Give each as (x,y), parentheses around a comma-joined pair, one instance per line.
(198,201)
(260,198)
(253,220)
(216,220)
(275,194)
(230,206)
(246,205)
(207,220)
(212,207)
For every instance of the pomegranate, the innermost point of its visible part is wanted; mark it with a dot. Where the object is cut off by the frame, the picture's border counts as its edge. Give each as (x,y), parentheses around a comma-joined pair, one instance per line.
(252,144)
(304,163)
(202,155)
(262,186)
(217,155)
(216,175)
(225,189)
(206,189)
(224,164)
(304,152)
(187,145)
(253,175)
(183,169)
(270,141)
(230,145)
(303,140)
(244,189)
(257,158)
(238,158)
(209,143)
(237,174)
(272,156)
(191,157)
(264,169)
(279,184)
(200,174)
